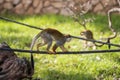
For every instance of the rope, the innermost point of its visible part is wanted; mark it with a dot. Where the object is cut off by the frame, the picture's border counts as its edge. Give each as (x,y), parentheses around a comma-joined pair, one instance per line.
(70,52)
(116,45)
(6,19)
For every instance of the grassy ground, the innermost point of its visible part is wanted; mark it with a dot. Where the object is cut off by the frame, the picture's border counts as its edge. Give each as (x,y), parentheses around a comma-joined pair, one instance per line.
(65,67)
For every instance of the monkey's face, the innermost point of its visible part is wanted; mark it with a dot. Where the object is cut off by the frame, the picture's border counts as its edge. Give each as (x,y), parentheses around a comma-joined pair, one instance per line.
(83,33)
(87,34)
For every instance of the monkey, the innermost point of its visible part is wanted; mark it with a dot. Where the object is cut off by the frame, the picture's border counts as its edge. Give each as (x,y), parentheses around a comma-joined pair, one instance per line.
(89,35)
(49,35)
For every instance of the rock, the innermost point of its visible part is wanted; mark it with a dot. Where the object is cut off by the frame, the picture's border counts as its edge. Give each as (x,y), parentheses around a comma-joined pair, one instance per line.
(87,6)
(51,10)
(19,9)
(8,0)
(98,8)
(26,6)
(19,6)
(80,1)
(113,2)
(39,8)
(15,2)
(57,4)
(94,2)
(76,1)
(71,3)
(36,3)
(66,12)
(30,11)
(57,0)
(47,3)
(1,1)
(105,2)
(8,5)
(26,3)
(1,7)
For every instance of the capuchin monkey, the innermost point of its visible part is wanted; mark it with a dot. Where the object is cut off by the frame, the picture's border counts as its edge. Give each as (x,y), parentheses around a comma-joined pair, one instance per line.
(48,36)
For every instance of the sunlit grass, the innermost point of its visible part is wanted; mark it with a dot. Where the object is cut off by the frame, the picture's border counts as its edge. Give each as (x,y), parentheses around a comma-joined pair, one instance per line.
(65,67)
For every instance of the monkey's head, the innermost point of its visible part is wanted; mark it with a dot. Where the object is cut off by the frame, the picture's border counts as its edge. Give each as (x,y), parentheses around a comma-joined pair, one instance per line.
(68,37)
(87,33)
(83,33)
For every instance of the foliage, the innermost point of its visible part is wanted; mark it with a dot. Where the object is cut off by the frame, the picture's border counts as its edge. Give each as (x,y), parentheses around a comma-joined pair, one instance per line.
(65,67)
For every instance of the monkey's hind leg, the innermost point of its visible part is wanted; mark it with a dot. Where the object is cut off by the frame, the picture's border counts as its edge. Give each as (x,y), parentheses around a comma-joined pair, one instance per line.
(41,44)
(48,47)
(63,48)
(54,48)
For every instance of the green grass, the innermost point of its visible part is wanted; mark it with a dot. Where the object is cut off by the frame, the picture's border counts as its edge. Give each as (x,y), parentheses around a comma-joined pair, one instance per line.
(65,67)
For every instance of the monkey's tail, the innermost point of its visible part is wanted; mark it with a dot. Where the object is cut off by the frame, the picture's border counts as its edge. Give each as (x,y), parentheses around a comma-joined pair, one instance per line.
(98,45)
(31,47)
(32,61)
(34,40)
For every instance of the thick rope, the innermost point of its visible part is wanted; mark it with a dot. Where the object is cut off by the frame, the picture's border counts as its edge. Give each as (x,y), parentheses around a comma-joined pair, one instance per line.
(10,20)
(70,52)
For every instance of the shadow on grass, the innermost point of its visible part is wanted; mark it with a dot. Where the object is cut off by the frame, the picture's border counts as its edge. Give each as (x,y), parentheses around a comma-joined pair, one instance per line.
(55,75)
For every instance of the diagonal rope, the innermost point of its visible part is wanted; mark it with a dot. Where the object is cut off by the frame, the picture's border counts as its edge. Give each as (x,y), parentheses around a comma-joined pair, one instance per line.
(70,52)
(10,20)
(116,45)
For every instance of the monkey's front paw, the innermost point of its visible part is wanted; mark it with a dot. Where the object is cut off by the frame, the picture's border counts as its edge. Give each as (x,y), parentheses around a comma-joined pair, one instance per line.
(50,52)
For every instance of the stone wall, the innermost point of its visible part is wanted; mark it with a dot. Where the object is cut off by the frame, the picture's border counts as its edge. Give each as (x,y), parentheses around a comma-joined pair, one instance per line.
(54,6)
